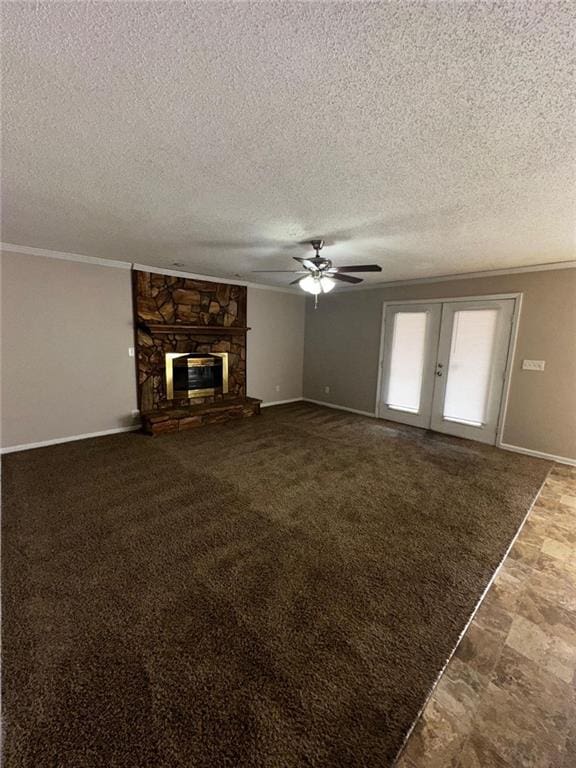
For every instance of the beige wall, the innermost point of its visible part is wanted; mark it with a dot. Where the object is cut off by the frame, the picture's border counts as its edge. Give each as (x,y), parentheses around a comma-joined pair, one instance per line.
(66,330)
(343,339)
(275,353)
(73,322)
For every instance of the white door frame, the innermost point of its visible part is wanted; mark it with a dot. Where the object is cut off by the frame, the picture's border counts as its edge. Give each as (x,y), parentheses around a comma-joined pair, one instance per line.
(517,297)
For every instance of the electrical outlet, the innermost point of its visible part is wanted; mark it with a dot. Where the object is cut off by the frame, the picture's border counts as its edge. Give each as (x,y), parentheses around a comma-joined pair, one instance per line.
(533,365)
(130,351)
(277,387)
(326,390)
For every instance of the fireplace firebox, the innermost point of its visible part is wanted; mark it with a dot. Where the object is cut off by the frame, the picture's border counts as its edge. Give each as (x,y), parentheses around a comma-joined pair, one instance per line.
(195,374)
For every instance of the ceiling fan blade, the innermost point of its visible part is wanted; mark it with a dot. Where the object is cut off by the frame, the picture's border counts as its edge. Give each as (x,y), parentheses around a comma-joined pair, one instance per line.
(359,268)
(308,263)
(289,271)
(345,278)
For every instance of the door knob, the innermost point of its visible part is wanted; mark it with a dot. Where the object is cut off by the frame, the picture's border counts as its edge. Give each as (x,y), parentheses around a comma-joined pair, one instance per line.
(438,373)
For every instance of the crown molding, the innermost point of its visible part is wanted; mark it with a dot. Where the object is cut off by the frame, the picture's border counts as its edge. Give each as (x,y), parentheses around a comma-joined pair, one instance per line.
(213,278)
(191,275)
(31,251)
(550,267)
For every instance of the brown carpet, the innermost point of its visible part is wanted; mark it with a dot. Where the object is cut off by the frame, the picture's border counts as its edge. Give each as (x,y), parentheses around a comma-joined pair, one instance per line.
(276,592)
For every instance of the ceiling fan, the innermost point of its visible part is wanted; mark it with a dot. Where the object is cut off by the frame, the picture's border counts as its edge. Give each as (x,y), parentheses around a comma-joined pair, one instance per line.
(321,276)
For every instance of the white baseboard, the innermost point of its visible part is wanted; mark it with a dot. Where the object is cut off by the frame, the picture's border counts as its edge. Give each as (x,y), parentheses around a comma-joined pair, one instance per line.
(538,454)
(58,440)
(282,402)
(340,407)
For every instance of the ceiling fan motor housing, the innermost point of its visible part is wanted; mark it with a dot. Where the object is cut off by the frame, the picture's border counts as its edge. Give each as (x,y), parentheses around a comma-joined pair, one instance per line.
(320,263)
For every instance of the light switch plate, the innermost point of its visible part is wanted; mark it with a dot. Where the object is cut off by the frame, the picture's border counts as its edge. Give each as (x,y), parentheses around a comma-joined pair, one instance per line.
(130,351)
(533,365)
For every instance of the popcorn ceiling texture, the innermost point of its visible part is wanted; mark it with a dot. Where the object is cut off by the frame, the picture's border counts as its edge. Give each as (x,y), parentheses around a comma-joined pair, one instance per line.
(433,138)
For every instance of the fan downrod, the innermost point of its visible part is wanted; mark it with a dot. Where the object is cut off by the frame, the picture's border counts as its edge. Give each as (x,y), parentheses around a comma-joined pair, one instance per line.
(317,245)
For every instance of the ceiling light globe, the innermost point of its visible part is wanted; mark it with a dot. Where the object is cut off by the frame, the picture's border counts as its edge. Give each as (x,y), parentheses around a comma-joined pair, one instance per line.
(327,284)
(310,284)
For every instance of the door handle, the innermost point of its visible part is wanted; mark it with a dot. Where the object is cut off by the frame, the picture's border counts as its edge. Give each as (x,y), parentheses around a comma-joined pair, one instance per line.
(438,373)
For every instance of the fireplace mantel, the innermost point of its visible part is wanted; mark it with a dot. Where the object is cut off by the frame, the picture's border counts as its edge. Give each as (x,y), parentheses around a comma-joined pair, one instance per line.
(208,330)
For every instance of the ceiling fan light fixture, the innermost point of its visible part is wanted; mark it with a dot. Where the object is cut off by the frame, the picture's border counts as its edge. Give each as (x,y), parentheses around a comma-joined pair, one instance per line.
(327,284)
(310,284)
(316,284)
(322,277)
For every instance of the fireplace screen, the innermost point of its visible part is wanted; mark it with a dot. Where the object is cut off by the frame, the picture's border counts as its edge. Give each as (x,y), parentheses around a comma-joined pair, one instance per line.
(195,374)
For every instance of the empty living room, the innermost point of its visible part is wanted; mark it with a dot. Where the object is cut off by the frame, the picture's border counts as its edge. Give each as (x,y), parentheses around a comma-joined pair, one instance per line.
(288,384)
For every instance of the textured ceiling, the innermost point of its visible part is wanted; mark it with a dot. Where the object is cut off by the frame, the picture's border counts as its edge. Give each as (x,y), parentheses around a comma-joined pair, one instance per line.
(433,138)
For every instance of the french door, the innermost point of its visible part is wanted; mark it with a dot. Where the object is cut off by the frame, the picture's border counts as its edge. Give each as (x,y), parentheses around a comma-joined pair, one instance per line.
(444,365)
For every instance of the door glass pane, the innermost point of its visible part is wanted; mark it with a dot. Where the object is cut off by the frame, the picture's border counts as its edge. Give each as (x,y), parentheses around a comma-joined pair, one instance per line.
(470,366)
(407,361)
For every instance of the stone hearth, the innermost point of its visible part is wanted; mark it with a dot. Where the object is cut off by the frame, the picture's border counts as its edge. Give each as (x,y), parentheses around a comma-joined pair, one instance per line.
(182,419)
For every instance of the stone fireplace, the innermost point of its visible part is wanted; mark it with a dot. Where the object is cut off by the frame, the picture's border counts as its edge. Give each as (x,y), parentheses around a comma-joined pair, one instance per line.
(190,350)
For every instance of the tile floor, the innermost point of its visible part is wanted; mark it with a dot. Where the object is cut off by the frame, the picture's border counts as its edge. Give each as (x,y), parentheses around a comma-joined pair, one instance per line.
(507,698)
